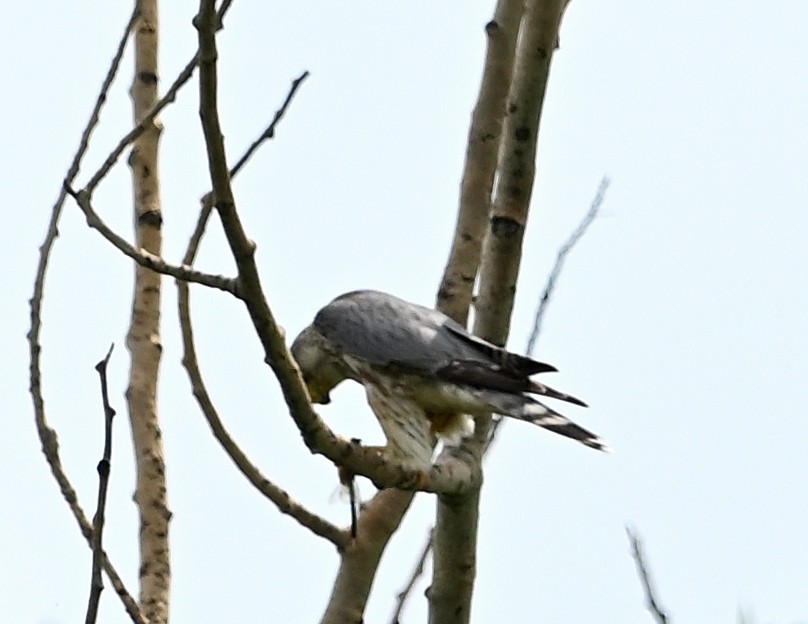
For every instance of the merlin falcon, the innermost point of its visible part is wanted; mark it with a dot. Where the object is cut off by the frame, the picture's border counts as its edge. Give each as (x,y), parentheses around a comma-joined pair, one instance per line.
(425,376)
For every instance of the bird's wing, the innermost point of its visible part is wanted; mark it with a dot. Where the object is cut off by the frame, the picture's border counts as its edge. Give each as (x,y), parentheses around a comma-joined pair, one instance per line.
(384,330)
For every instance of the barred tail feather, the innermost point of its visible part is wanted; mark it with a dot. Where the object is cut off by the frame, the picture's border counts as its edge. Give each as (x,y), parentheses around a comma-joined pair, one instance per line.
(528,409)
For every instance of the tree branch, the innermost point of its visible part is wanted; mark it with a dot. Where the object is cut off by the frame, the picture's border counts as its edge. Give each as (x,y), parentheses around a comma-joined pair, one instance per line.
(417,571)
(452,476)
(642,571)
(47,436)
(279,497)
(356,572)
(170,96)
(379,519)
(457,284)
(96,583)
(143,257)
(550,284)
(454,566)
(143,337)
(544,301)
(561,257)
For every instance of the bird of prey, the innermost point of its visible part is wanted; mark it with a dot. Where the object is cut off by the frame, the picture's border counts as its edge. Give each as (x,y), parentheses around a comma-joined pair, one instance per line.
(425,376)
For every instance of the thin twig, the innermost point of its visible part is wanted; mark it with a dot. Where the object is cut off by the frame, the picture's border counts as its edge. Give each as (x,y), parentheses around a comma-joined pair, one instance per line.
(269,132)
(417,571)
(642,571)
(183,77)
(97,584)
(145,258)
(47,436)
(207,200)
(282,500)
(561,257)
(550,285)
(278,496)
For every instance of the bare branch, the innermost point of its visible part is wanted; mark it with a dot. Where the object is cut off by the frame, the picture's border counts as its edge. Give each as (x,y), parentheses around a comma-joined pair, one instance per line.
(97,584)
(561,257)
(356,573)
(452,476)
(143,257)
(642,571)
(143,336)
(282,500)
(550,284)
(380,518)
(417,571)
(457,284)
(170,96)
(454,566)
(269,132)
(47,436)
(544,301)
(279,497)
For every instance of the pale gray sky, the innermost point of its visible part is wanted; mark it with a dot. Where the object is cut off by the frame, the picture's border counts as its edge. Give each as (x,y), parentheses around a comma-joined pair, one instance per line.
(681,318)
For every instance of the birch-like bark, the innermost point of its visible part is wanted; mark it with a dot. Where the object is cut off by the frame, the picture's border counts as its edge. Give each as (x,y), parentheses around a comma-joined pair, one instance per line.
(454,567)
(143,339)
(382,516)
(455,291)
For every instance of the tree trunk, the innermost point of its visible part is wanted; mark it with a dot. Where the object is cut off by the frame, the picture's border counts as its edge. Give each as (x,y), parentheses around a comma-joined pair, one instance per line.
(143,339)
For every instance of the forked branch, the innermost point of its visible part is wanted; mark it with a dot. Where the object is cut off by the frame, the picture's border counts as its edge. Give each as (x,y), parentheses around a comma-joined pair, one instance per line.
(451,477)
(47,435)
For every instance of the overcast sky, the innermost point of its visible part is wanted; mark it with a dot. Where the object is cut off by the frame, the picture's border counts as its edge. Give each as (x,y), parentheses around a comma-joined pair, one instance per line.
(680,318)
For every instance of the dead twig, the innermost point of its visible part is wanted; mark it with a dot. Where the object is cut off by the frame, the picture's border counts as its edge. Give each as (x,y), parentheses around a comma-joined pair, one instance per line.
(561,257)
(171,94)
(97,584)
(282,500)
(552,279)
(417,571)
(47,436)
(642,571)
(145,258)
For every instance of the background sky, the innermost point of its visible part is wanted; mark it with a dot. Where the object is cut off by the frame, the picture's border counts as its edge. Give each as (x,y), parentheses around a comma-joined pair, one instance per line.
(681,317)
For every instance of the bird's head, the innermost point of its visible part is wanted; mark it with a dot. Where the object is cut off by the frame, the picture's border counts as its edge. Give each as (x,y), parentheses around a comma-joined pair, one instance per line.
(319,363)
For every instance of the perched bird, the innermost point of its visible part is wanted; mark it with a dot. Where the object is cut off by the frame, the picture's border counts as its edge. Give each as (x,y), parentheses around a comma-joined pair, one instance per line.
(424,374)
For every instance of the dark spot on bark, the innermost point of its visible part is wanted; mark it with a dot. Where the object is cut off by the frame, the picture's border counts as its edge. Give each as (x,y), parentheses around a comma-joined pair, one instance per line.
(518,173)
(466,237)
(153,218)
(541,53)
(504,226)
(469,279)
(522,133)
(148,78)
(491,27)
(512,108)
(515,192)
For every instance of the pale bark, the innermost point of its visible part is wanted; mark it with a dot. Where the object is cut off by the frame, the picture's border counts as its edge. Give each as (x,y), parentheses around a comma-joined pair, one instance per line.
(454,567)
(143,339)
(457,284)
(360,562)
(380,518)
